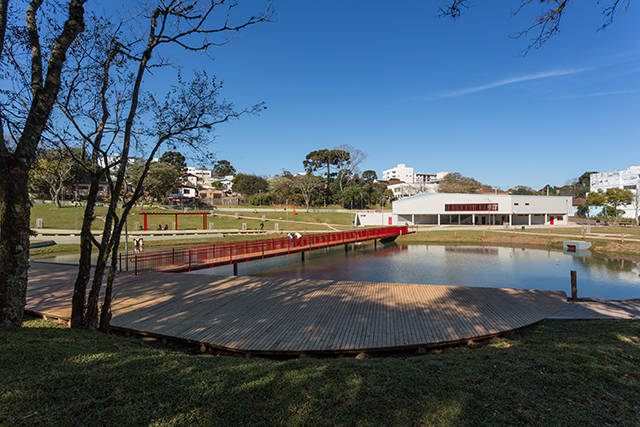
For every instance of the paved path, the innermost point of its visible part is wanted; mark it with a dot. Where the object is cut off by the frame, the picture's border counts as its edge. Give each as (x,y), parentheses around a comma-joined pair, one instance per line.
(294,316)
(598,310)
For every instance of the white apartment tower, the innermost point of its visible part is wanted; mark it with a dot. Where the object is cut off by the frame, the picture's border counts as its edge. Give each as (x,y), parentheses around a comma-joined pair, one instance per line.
(400,172)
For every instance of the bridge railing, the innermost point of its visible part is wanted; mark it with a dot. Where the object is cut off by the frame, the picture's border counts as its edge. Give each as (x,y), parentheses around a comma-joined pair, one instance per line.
(215,254)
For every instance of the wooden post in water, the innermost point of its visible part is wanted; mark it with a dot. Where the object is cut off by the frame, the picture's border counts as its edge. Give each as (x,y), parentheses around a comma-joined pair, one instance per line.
(235,268)
(574,285)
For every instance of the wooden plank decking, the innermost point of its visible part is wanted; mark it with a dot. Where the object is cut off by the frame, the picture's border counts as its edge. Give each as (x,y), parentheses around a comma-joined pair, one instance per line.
(292,316)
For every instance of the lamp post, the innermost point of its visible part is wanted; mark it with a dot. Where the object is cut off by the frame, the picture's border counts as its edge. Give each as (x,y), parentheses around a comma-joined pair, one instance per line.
(260,197)
(287,212)
(382,208)
(75,202)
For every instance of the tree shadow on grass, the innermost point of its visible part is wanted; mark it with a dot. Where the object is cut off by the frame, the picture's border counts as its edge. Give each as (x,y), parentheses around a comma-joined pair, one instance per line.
(568,373)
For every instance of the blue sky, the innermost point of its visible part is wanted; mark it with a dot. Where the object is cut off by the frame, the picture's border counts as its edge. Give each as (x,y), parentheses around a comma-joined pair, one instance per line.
(400,84)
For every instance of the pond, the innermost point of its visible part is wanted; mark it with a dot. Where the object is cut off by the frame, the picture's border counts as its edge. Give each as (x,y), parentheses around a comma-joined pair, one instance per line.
(484,266)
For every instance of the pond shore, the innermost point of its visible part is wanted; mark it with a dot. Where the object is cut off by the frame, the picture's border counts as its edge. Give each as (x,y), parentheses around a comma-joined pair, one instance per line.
(617,245)
(615,242)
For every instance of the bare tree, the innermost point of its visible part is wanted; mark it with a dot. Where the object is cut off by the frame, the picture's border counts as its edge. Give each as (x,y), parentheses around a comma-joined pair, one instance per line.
(349,158)
(36,93)
(307,184)
(53,167)
(108,121)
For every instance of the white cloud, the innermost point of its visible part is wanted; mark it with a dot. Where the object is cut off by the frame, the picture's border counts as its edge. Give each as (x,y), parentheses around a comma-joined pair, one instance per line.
(504,82)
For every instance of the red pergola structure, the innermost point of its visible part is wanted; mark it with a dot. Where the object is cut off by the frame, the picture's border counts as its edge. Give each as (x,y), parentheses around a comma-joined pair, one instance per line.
(175,214)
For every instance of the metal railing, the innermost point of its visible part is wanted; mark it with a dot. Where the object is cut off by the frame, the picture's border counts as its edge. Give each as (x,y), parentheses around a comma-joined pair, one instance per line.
(218,254)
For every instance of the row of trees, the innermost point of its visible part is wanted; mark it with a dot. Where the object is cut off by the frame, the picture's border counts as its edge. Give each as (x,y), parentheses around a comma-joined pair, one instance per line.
(575,187)
(55,170)
(338,181)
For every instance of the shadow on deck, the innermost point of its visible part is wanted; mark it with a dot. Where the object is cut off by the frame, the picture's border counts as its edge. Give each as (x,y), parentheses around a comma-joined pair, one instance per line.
(289,317)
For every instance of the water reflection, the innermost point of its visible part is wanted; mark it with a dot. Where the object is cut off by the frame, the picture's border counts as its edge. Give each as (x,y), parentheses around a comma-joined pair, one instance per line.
(485,266)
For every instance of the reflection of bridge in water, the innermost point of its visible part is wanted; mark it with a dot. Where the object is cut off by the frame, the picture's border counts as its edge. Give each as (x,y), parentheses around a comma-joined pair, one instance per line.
(216,255)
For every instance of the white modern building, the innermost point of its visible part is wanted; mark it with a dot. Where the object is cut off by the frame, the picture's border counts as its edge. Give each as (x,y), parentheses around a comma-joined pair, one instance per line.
(400,173)
(405,174)
(412,183)
(190,178)
(202,174)
(473,209)
(628,179)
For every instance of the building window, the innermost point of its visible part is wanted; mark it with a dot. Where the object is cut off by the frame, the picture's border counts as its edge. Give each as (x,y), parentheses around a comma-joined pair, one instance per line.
(515,204)
(472,207)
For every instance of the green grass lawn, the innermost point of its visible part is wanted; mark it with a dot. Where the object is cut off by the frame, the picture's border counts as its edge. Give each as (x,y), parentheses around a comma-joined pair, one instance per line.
(577,373)
(65,218)
(631,232)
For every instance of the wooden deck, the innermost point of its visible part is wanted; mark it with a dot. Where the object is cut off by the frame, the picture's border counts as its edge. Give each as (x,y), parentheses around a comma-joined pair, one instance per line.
(294,316)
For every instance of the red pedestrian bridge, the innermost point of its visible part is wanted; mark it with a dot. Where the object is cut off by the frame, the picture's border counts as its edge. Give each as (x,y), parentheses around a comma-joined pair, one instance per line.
(219,254)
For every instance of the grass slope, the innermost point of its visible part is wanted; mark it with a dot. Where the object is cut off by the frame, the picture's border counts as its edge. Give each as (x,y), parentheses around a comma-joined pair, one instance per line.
(578,373)
(65,218)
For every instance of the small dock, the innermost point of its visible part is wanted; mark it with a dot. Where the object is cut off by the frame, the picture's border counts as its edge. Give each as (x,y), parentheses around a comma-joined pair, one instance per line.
(290,317)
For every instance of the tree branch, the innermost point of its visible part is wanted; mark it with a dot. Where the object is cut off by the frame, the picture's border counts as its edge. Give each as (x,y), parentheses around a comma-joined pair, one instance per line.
(454,10)
(544,26)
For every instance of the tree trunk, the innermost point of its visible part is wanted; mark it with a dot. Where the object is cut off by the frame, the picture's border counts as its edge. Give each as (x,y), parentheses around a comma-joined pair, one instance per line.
(84,265)
(92,315)
(15,211)
(105,313)
(15,206)
(55,197)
